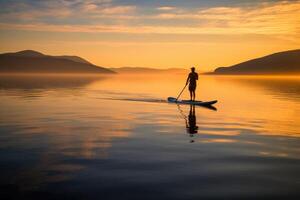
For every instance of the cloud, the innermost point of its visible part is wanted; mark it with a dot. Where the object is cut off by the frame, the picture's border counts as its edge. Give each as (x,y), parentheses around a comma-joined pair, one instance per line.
(281,18)
(89,7)
(141,29)
(275,18)
(106,9)
(118,10)
(63,9)
(166,8)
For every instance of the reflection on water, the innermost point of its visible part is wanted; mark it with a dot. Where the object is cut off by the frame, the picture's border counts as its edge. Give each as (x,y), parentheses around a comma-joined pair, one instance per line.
(281,87)
(115,138)
(190,121)
(191,126)
(46,82)
(32,86)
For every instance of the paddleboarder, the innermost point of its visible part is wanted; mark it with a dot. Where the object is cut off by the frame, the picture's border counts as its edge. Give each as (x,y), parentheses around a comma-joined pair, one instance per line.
(192,81)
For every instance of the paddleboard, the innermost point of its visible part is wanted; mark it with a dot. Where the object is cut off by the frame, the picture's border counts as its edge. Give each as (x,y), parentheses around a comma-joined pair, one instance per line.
(200,103)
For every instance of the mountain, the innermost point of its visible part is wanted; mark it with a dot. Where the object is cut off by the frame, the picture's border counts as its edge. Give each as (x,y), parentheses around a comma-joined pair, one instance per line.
(26,53)
(286,63)
(30,61)
(141,70)
(75,59)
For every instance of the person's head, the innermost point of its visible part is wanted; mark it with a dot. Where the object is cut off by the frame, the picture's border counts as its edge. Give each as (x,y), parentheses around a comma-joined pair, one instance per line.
(193,69)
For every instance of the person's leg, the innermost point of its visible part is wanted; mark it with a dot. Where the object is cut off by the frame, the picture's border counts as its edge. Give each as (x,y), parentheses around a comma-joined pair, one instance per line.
(194,95)
(191,95)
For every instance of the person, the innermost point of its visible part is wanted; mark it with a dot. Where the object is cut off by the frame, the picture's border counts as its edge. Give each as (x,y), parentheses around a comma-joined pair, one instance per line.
(192,81)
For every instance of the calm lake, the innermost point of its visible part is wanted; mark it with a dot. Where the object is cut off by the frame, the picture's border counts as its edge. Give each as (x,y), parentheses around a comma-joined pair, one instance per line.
(116,137)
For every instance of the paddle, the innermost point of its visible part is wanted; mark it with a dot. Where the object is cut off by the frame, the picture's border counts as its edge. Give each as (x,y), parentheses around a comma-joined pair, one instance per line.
(181,92)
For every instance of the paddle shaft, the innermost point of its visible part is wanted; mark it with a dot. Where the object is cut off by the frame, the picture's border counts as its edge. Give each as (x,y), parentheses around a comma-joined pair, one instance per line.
(181,92)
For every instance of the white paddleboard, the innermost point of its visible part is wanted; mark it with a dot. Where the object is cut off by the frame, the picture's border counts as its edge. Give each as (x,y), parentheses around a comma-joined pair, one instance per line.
(200,103)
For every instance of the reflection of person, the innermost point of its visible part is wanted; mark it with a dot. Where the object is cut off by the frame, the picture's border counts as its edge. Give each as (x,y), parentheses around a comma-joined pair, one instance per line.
(191,125)
(192,81)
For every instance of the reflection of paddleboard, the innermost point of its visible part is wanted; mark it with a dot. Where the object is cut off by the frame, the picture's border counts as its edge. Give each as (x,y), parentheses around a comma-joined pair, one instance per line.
(200,103)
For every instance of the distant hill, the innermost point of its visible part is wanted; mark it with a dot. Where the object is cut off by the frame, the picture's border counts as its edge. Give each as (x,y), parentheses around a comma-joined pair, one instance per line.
(286,63)
(74,58)
(141,70)
(26,53)
(30,61)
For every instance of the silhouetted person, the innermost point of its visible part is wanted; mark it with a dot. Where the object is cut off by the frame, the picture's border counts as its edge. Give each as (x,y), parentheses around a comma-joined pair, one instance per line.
(192,81)
(191,126)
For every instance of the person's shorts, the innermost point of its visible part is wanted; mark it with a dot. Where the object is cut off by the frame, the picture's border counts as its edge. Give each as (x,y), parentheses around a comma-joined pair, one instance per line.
(192,87)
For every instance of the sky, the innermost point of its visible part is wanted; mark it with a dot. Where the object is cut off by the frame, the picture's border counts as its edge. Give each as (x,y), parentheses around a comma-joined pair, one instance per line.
(152,33)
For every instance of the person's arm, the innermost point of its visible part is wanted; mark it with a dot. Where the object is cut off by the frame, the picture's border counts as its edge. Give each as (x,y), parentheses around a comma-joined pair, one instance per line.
(197,76)
(187,80)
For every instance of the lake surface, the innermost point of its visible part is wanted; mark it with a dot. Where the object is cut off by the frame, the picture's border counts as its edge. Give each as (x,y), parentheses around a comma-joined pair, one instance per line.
(116,137)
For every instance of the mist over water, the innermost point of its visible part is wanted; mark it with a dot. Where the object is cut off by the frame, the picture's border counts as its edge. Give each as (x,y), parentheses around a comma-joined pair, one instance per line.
(115,137)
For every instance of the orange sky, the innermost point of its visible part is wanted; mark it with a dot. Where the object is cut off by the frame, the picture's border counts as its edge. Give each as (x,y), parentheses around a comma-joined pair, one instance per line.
(119,33)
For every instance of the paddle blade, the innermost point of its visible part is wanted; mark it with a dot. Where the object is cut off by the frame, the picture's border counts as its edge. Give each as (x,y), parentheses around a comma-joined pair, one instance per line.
(172,99)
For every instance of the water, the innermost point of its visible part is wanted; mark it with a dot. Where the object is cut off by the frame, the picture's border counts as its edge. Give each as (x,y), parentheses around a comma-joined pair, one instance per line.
(117,138)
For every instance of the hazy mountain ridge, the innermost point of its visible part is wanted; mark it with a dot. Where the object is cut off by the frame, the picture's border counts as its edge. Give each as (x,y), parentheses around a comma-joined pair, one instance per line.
(30,61)
(286,62)
(137,70)
(75,59)
(24,53)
